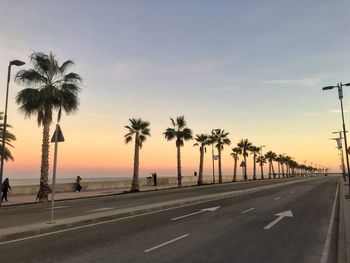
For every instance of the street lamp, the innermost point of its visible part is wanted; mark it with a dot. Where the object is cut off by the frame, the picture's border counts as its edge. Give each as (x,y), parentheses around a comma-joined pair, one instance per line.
(261,149)
(212,152)
(15,63)
(340,94)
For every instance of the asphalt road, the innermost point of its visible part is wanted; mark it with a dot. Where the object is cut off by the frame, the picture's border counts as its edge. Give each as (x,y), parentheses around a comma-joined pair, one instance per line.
(239,229)
(36,213)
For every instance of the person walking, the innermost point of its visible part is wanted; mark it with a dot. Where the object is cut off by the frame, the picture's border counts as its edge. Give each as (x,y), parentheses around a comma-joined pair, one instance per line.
(5,188)
(154,175)
(78,184)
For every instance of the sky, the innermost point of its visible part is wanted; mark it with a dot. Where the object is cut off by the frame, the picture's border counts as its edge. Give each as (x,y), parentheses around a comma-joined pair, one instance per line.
(254,68)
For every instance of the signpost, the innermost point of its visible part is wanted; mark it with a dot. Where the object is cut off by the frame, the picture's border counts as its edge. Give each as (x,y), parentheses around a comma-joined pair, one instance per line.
(56,138)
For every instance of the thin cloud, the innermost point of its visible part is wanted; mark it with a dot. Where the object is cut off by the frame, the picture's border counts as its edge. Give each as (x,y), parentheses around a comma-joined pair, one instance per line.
(295,82)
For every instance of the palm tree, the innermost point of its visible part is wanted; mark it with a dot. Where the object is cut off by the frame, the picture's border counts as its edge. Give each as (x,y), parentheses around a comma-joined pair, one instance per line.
(235,154)
(140,130)
(180,133)
(278,160)
(281,161)
(244,145)
(201,140)
(49,88)
(287,160)
(261,160)
(9,137)
(220,138)
(270,156)
(255,151)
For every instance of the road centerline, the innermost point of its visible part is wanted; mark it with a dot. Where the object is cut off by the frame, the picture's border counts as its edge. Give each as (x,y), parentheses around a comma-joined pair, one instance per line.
(166,243)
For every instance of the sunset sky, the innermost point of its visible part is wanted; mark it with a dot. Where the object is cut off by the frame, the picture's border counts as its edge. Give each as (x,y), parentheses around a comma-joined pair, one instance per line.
(253,68)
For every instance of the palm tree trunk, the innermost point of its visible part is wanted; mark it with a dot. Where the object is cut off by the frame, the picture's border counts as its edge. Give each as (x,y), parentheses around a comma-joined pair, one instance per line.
(245,168)
(282,170)
(270,169)
(254,172)
(220,171)
(135,176)
(179,177)
(273,171)
(201,161)
(44,169)
(262,170)
(235,171)
(279,169)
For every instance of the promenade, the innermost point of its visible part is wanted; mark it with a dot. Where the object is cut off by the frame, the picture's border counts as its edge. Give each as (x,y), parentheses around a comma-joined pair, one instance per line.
(27,199)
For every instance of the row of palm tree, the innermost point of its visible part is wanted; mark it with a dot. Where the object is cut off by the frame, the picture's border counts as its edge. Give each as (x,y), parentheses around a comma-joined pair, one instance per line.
(138,130)
(51,88)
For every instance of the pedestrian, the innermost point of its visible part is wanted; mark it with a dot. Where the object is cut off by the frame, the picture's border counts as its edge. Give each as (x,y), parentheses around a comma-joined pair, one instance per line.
(78,184)
(5,187)
(154,175)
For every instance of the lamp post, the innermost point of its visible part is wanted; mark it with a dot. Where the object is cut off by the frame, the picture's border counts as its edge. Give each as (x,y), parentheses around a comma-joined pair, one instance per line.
(261,150)
(212,152)
(340,94)
(15,63)
(340,148)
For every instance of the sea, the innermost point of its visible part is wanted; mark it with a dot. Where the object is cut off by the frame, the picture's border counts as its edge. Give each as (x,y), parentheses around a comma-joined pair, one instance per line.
(36,181)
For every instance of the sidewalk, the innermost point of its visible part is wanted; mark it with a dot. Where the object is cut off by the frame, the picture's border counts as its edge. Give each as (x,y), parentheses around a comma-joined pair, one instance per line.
(27,199)
(344,223)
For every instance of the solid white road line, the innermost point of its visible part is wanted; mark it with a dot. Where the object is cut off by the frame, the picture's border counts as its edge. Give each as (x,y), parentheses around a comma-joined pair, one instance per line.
(100,209)
(245,211)
(57,207)
(277,198)
(325,253)
(166,243)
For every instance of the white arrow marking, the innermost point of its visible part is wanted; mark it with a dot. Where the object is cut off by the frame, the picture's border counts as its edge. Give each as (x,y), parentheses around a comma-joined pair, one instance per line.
(279,218)
(166,243)
(210,209)
(277,198)
(250,209)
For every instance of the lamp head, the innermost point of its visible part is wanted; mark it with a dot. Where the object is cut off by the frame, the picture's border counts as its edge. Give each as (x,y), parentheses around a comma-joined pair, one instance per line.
(328,87)
(346,84)
(16,63)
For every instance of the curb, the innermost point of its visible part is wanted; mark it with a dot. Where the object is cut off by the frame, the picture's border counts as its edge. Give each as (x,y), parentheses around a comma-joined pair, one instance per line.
(19,232)
(341,256)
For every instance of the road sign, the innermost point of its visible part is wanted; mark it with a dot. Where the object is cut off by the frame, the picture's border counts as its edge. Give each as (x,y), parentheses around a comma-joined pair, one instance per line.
(60,135)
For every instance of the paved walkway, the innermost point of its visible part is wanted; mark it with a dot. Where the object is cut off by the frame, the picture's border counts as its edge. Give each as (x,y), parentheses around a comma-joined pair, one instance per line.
(344,223)
(25,199)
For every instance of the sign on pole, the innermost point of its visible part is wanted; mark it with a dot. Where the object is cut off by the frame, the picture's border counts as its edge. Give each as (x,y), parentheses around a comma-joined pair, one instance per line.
(60,137)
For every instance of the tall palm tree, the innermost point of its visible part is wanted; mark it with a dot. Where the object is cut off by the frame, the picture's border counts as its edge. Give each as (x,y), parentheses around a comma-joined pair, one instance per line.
(255,151)
(235,154)
(180,133)
(220,138)
(49,88)
(287,161)
(201,140)
(139,130)
(8,141)
(281,161)
(244,145)
(270,156)
(261,160)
